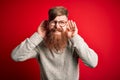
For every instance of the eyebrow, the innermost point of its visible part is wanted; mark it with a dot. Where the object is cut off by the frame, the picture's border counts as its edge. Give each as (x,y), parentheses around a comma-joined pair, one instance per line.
(60,20)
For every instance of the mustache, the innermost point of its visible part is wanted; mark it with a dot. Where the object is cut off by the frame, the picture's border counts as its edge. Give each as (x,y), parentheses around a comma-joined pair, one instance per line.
(54,30)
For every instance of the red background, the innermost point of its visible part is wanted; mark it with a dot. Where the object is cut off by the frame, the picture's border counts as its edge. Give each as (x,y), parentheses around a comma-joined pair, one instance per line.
(97,21)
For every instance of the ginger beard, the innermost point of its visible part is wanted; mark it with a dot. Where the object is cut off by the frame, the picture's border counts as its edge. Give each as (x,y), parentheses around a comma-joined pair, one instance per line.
(55,41)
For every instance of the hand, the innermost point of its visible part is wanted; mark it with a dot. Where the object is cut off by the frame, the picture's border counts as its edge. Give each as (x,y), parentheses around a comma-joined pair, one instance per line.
(42,28)
(71,29)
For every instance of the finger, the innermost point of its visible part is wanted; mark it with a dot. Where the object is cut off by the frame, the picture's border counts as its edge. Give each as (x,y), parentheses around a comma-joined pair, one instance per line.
(67,26)
(76,29)
(72,27)
(75,25)
(70,24)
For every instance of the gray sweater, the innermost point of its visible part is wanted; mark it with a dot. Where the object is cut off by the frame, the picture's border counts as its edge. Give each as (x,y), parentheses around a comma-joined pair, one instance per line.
(56,65)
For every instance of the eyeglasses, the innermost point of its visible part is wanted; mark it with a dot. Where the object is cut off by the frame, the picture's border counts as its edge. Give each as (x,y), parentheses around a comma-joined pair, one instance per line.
(61,23)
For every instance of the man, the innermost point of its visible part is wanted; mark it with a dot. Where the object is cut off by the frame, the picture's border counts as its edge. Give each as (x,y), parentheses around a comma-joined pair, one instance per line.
(57,47)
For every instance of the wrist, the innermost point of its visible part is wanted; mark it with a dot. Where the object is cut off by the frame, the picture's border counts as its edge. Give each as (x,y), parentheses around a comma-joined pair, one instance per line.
(40,34)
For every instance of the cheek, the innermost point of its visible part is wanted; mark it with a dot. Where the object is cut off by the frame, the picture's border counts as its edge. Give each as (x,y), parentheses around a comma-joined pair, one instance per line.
(64,29)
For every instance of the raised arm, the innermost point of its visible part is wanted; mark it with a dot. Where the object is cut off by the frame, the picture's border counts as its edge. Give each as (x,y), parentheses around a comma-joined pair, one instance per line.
(88,56)
(27,49)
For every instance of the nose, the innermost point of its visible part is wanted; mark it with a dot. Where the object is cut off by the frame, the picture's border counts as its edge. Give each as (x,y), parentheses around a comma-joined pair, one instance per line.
(57,26)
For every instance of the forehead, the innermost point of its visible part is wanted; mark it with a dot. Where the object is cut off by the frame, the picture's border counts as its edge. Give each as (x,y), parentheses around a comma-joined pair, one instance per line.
(61,18)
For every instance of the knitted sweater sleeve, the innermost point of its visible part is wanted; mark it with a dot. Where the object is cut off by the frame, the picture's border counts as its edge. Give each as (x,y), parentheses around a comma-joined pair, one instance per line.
(88,56)
(26,49)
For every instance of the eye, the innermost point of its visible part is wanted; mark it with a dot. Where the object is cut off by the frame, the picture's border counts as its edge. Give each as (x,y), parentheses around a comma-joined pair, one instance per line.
(61,22)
